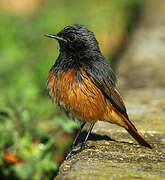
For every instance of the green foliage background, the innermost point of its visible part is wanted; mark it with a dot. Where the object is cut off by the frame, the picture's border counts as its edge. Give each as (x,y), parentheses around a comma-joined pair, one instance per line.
(29,121)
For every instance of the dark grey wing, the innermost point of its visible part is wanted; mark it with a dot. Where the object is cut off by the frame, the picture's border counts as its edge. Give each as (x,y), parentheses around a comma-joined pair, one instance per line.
(112,95)
(104,78)
(117,101)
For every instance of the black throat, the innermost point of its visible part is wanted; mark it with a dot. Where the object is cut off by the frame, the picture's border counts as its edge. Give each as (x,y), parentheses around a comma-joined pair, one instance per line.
(75,60)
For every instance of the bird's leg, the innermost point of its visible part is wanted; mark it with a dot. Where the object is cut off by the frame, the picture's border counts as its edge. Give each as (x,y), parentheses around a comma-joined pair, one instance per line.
(89,131)
(79,131)
(83,143)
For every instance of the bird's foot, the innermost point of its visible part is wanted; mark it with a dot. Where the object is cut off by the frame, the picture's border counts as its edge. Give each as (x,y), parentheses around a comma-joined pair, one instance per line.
(82,147)
(85,146)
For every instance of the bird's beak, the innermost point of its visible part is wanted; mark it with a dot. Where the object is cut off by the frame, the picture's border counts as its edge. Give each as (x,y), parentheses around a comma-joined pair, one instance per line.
(55,37)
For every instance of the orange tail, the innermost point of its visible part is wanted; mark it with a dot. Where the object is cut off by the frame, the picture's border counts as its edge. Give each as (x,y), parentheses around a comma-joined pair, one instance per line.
(134,133)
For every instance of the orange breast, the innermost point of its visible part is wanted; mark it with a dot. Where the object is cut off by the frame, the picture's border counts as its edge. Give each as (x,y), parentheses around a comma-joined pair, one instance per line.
(75,93)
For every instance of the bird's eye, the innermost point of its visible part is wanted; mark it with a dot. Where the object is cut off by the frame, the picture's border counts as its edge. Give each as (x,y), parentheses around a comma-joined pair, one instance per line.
(71,38)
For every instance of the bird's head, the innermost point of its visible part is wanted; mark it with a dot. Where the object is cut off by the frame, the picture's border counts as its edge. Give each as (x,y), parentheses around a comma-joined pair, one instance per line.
(76,38)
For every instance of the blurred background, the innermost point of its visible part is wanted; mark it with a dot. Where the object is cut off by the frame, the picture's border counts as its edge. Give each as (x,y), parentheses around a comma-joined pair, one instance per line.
(34,134)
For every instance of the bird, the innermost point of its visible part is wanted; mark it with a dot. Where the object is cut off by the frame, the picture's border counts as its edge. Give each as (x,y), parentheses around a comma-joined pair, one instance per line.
(83,85)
